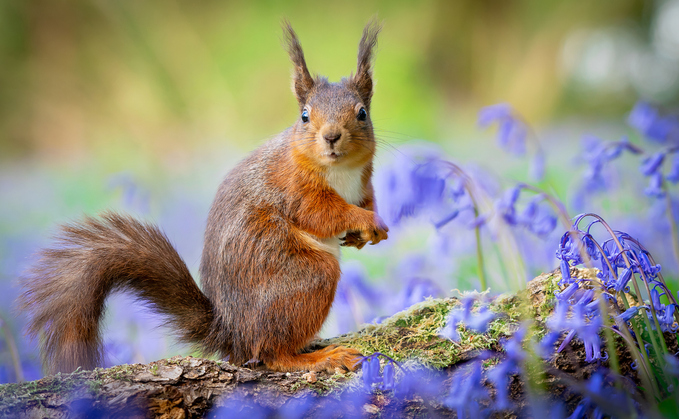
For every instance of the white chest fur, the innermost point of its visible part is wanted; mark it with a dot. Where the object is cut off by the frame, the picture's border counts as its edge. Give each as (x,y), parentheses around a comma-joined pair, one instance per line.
(347,182)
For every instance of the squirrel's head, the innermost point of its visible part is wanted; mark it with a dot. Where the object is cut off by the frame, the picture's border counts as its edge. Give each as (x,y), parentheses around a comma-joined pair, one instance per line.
(334,126)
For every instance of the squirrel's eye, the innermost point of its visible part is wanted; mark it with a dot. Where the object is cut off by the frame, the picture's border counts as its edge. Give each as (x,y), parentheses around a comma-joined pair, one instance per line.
(305,115)
(362,114)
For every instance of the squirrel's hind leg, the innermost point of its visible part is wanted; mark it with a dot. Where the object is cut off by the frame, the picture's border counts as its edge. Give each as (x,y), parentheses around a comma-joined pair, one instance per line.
(326,359)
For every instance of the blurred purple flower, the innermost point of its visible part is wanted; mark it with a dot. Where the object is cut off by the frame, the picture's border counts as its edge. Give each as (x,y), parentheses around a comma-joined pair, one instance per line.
(655,186)
(466,392)
(477,322)
(411,183)
(512,131)
(597,154)
(652,163)
(585,322)
(499,375)
(535,217)
(371,372)
(647,120)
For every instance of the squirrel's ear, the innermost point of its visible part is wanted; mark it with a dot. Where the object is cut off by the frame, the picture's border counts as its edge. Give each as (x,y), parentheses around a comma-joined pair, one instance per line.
(302,82)
(363,78)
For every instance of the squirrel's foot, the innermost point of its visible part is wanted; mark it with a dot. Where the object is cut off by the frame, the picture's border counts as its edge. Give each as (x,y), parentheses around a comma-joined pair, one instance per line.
(327,359)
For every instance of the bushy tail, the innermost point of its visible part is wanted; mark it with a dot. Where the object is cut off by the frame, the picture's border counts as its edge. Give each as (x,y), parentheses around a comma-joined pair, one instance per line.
(65,291)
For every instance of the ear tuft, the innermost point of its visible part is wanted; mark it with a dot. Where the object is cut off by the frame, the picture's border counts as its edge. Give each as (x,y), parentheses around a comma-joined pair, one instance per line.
(363,78)
(302,82)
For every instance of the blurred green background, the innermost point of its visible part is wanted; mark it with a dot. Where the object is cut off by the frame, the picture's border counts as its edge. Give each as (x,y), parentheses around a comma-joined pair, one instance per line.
(83,80)
(144,106)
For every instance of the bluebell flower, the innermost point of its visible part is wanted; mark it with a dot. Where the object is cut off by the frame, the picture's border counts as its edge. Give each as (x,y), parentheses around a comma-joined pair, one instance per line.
(597,154)
(655,186)
(466,392)
(567,293)
(507,205)
(371,371)
(512,131)
(648,121)
(621,284)
(664,313)
(416,290)
(410,184)
(500,374)
(565,272)
(651,271)
(477,322)
(652,163)
(388,372)
(585,322)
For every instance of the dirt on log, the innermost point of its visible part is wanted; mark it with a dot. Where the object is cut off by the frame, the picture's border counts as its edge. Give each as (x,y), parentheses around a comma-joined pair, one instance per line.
(187,387)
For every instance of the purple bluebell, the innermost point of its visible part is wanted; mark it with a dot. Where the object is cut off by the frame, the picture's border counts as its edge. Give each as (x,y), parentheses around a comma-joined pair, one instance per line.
(512,131)
(628,314)
(499,375)
(623,278)
(411,183)
(371,371)
(507,205)
(647,120)
(567,293)
(477,322)
(565,272)
(655,186)
(466,392)
(585,322)
(597,155)
(416,290)
(652,163)
(388,373)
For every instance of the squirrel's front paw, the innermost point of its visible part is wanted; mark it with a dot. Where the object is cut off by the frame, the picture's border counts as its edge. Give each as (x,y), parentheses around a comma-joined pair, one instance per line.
(376,232)
(353,239)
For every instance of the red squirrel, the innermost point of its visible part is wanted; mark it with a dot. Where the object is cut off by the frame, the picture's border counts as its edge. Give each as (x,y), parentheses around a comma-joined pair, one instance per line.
(269,268)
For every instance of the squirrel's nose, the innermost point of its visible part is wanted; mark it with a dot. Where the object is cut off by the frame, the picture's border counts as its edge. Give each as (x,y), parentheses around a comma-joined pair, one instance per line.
(332,137)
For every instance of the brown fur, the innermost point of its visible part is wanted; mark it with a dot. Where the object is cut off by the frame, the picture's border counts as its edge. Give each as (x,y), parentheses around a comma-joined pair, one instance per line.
(269,269)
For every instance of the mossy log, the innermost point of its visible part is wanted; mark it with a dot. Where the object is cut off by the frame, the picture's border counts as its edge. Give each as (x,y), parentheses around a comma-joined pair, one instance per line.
(183,387)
